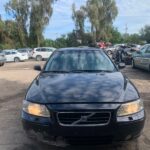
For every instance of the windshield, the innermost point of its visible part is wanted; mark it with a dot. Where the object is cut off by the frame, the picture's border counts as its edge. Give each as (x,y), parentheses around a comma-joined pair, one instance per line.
(79,61)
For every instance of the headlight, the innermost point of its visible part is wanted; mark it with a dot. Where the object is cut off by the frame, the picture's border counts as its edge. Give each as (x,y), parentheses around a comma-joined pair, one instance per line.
(130,108)
(35,109)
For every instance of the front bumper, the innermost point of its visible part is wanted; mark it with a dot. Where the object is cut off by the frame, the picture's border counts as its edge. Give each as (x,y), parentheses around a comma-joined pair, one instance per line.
(51,130)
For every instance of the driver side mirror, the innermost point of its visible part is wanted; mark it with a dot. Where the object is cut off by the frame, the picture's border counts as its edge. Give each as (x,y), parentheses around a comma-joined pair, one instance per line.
(37,68)
(121,65)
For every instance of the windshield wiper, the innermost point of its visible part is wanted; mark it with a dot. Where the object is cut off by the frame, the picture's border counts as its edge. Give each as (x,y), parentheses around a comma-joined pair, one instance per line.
(56,71)
(80,71)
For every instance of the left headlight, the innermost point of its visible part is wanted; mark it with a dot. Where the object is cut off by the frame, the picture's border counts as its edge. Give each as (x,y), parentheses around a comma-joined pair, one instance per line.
(130,108)
(35,109)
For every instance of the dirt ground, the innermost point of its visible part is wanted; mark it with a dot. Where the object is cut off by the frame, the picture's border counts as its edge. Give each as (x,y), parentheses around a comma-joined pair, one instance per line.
(15,79)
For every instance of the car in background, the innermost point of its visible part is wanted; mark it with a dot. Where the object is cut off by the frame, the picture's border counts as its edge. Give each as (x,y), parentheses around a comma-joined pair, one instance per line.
(111,49)
(27,51)
(42,53)
(141,59)
(2,58)
(15,56)
(80,97)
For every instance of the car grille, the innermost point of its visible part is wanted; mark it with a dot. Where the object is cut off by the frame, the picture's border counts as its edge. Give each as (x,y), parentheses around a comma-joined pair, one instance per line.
(83,118)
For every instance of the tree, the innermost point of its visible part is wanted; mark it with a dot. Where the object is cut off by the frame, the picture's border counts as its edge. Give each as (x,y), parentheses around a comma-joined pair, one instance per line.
(101,14)
(145,33)
(41,11)
(114,36)
(19,10)
(31,17)
(79,17)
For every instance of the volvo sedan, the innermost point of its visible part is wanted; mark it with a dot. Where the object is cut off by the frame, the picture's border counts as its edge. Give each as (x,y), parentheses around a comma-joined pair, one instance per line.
(81,97)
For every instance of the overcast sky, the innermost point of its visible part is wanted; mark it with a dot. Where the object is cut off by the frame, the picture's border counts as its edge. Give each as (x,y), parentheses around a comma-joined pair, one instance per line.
(134,13)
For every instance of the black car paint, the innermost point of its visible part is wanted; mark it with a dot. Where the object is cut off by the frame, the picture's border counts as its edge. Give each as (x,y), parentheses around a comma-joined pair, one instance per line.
(51,88)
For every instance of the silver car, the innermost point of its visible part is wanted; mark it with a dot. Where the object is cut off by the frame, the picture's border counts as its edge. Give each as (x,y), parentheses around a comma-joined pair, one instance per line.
(141,59)
(2,58)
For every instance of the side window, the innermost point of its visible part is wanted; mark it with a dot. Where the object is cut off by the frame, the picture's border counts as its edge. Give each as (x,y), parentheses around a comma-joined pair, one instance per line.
(143,49)
(43,49)
(148,50)
(38,50)
(13,53)
(7,53)
(49,50)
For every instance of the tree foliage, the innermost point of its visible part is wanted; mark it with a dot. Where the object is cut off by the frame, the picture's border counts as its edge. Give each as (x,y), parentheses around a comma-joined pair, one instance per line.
(101,14)
(145,33)
(31,17)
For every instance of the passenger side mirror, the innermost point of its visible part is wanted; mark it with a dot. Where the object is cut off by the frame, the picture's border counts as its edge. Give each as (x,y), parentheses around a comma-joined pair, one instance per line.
(37,68)
(121,65)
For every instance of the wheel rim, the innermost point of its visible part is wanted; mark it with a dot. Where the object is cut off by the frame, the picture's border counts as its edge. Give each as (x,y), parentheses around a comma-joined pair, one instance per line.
(16,59)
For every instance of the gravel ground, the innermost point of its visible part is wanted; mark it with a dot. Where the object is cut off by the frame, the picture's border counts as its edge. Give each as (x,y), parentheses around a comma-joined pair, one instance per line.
(15,79)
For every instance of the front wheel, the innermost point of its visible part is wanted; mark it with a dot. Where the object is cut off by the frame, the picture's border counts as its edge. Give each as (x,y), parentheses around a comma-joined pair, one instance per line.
(16,59)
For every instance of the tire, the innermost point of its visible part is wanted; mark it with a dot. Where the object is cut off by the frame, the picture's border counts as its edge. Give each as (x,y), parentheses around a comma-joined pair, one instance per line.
(39,58)
(109,52)
(16,59)
(133,64)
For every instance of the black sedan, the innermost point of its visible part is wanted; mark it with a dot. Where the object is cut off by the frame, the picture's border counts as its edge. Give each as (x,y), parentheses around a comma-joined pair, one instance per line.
(81,97)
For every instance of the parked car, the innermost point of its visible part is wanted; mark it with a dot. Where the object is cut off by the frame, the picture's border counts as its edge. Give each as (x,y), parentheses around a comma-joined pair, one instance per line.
(2,58)
(27,51)
(81,96)
(15,56)
(42,53)
(141,59)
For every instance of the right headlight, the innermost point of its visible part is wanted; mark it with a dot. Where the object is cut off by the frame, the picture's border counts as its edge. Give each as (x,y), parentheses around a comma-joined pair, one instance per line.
(35,109)
(130,108)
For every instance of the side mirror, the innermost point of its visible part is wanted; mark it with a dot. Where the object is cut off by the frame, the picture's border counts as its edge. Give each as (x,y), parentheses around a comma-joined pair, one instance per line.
(37,68)
(121,65)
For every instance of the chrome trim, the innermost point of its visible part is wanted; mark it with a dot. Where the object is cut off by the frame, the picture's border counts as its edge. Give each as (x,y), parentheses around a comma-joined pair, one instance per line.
(83,125)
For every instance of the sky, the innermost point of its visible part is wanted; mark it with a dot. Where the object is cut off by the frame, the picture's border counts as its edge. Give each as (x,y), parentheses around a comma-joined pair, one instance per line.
(134,14)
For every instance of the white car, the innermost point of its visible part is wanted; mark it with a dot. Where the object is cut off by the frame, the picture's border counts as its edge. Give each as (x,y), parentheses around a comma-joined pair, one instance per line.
(42,53)
(14,56)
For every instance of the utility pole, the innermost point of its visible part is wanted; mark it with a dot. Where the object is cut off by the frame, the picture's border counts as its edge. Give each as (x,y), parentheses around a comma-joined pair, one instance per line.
(126,29)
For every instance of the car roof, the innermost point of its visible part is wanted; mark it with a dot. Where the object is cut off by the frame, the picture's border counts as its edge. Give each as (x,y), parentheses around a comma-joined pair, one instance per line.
(45,47)
(10,50)
(79,49)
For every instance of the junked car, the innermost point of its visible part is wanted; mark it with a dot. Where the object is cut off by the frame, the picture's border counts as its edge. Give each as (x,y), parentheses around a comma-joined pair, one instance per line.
(141,59)
(79,97)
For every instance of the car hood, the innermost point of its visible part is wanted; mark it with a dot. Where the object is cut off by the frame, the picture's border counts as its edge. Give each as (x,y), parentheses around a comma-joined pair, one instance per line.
(81,88)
